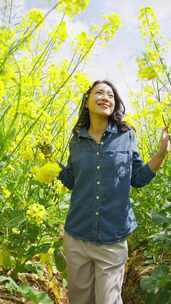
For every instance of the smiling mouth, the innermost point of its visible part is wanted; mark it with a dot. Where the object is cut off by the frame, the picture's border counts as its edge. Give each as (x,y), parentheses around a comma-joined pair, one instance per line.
(103,105)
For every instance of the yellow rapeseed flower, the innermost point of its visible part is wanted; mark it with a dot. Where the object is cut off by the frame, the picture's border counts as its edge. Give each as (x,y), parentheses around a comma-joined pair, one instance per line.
(36,213)
(150,101)
(2,89)
(153,55)
(6,192)
(148,21)
(110,28)
(149,90)
(147,72)
(129,119)
(15,230)
(73,7)
(82,81)
(47,173)
(27,154)
(35,16)
(59,187)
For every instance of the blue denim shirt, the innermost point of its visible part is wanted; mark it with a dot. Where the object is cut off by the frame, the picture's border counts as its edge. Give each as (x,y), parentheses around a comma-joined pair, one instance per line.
(100,176)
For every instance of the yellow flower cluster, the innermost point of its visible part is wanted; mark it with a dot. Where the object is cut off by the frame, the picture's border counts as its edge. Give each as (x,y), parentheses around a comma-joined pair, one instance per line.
(149,90)
(84,42)
(148,72)
(73,7)
(2,89)
(152,55)
(8,74)
(149,24)
(27,153)
(58,73)
(47,173)
(27,148)
(59,187)
(82,81)
(109,29)
(36,213)
(129,119)
(6,193)
(16,230)
(35,16)
(8,36)
(45,137)
(34,19)
(59,33)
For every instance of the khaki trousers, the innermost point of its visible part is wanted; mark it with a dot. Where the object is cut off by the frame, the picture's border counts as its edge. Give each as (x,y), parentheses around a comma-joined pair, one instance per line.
(95,272)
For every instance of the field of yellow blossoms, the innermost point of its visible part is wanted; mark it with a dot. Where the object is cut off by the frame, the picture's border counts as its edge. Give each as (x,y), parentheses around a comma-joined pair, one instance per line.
(39,102)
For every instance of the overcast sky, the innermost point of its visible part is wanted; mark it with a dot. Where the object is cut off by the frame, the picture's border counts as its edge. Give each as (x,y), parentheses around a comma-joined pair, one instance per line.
(117,60)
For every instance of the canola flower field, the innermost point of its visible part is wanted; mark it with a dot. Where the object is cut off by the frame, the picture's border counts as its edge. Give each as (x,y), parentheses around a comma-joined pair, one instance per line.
(39,105)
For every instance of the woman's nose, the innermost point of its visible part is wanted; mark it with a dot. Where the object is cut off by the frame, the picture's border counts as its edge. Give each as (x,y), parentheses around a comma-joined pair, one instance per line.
(105,97)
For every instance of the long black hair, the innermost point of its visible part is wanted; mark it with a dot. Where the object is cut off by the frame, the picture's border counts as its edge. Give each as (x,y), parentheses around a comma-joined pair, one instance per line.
(116,116)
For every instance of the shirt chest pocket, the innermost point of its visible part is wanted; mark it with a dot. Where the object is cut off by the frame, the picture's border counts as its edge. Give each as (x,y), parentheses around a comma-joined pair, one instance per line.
(83,159)
(118,161)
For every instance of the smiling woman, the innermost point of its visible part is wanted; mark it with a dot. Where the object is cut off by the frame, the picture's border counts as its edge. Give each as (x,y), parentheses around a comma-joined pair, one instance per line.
(102,165)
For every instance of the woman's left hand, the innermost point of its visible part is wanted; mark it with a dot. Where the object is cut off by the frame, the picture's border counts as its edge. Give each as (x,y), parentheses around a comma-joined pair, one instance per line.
(164,142)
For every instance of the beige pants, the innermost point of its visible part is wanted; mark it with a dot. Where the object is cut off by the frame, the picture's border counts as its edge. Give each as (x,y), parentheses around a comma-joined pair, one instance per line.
(95,272)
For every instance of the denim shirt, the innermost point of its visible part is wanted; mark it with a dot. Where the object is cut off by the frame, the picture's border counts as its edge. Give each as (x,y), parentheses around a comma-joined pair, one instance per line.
(100,176)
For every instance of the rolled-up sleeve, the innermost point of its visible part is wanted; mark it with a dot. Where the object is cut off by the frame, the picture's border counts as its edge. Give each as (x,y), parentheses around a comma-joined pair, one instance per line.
(141,172)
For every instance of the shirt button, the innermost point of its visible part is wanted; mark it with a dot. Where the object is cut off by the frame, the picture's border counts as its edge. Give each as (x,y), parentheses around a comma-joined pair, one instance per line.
(97,197)
(97,213)
(102,143)
(98,182)
(98,167)
(97,153)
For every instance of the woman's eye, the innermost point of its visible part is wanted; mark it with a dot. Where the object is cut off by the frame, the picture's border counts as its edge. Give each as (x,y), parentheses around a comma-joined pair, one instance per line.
(102,93)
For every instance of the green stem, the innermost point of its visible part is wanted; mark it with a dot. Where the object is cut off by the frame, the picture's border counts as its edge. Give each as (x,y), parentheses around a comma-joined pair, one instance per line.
(16,45)
(55,94)
(47,49)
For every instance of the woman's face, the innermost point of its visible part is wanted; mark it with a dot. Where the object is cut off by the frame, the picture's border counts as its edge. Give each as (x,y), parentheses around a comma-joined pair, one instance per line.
(101,100)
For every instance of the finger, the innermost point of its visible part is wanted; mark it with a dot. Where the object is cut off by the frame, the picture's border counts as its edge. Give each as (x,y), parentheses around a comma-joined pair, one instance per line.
(165,129)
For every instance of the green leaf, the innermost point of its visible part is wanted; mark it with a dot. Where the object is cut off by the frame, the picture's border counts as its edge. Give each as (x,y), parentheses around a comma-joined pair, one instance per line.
(11,218)
(161,274)
(5,258)
(162,237)
(59,260)
(167,206)
(33,250)
(10,283)
(37,297)
(147,284)
(160,218)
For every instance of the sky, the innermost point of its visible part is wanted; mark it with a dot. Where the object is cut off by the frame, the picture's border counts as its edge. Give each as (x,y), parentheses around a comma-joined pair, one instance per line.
(116,61)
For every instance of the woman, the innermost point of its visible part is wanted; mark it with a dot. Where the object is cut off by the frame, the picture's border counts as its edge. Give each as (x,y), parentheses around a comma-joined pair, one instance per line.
(102,165)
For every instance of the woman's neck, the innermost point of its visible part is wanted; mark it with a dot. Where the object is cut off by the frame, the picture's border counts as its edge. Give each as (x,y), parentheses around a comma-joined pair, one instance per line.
(97,128)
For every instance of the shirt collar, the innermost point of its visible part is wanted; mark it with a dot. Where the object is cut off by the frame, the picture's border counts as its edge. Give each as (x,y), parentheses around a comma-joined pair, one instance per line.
(111,128)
